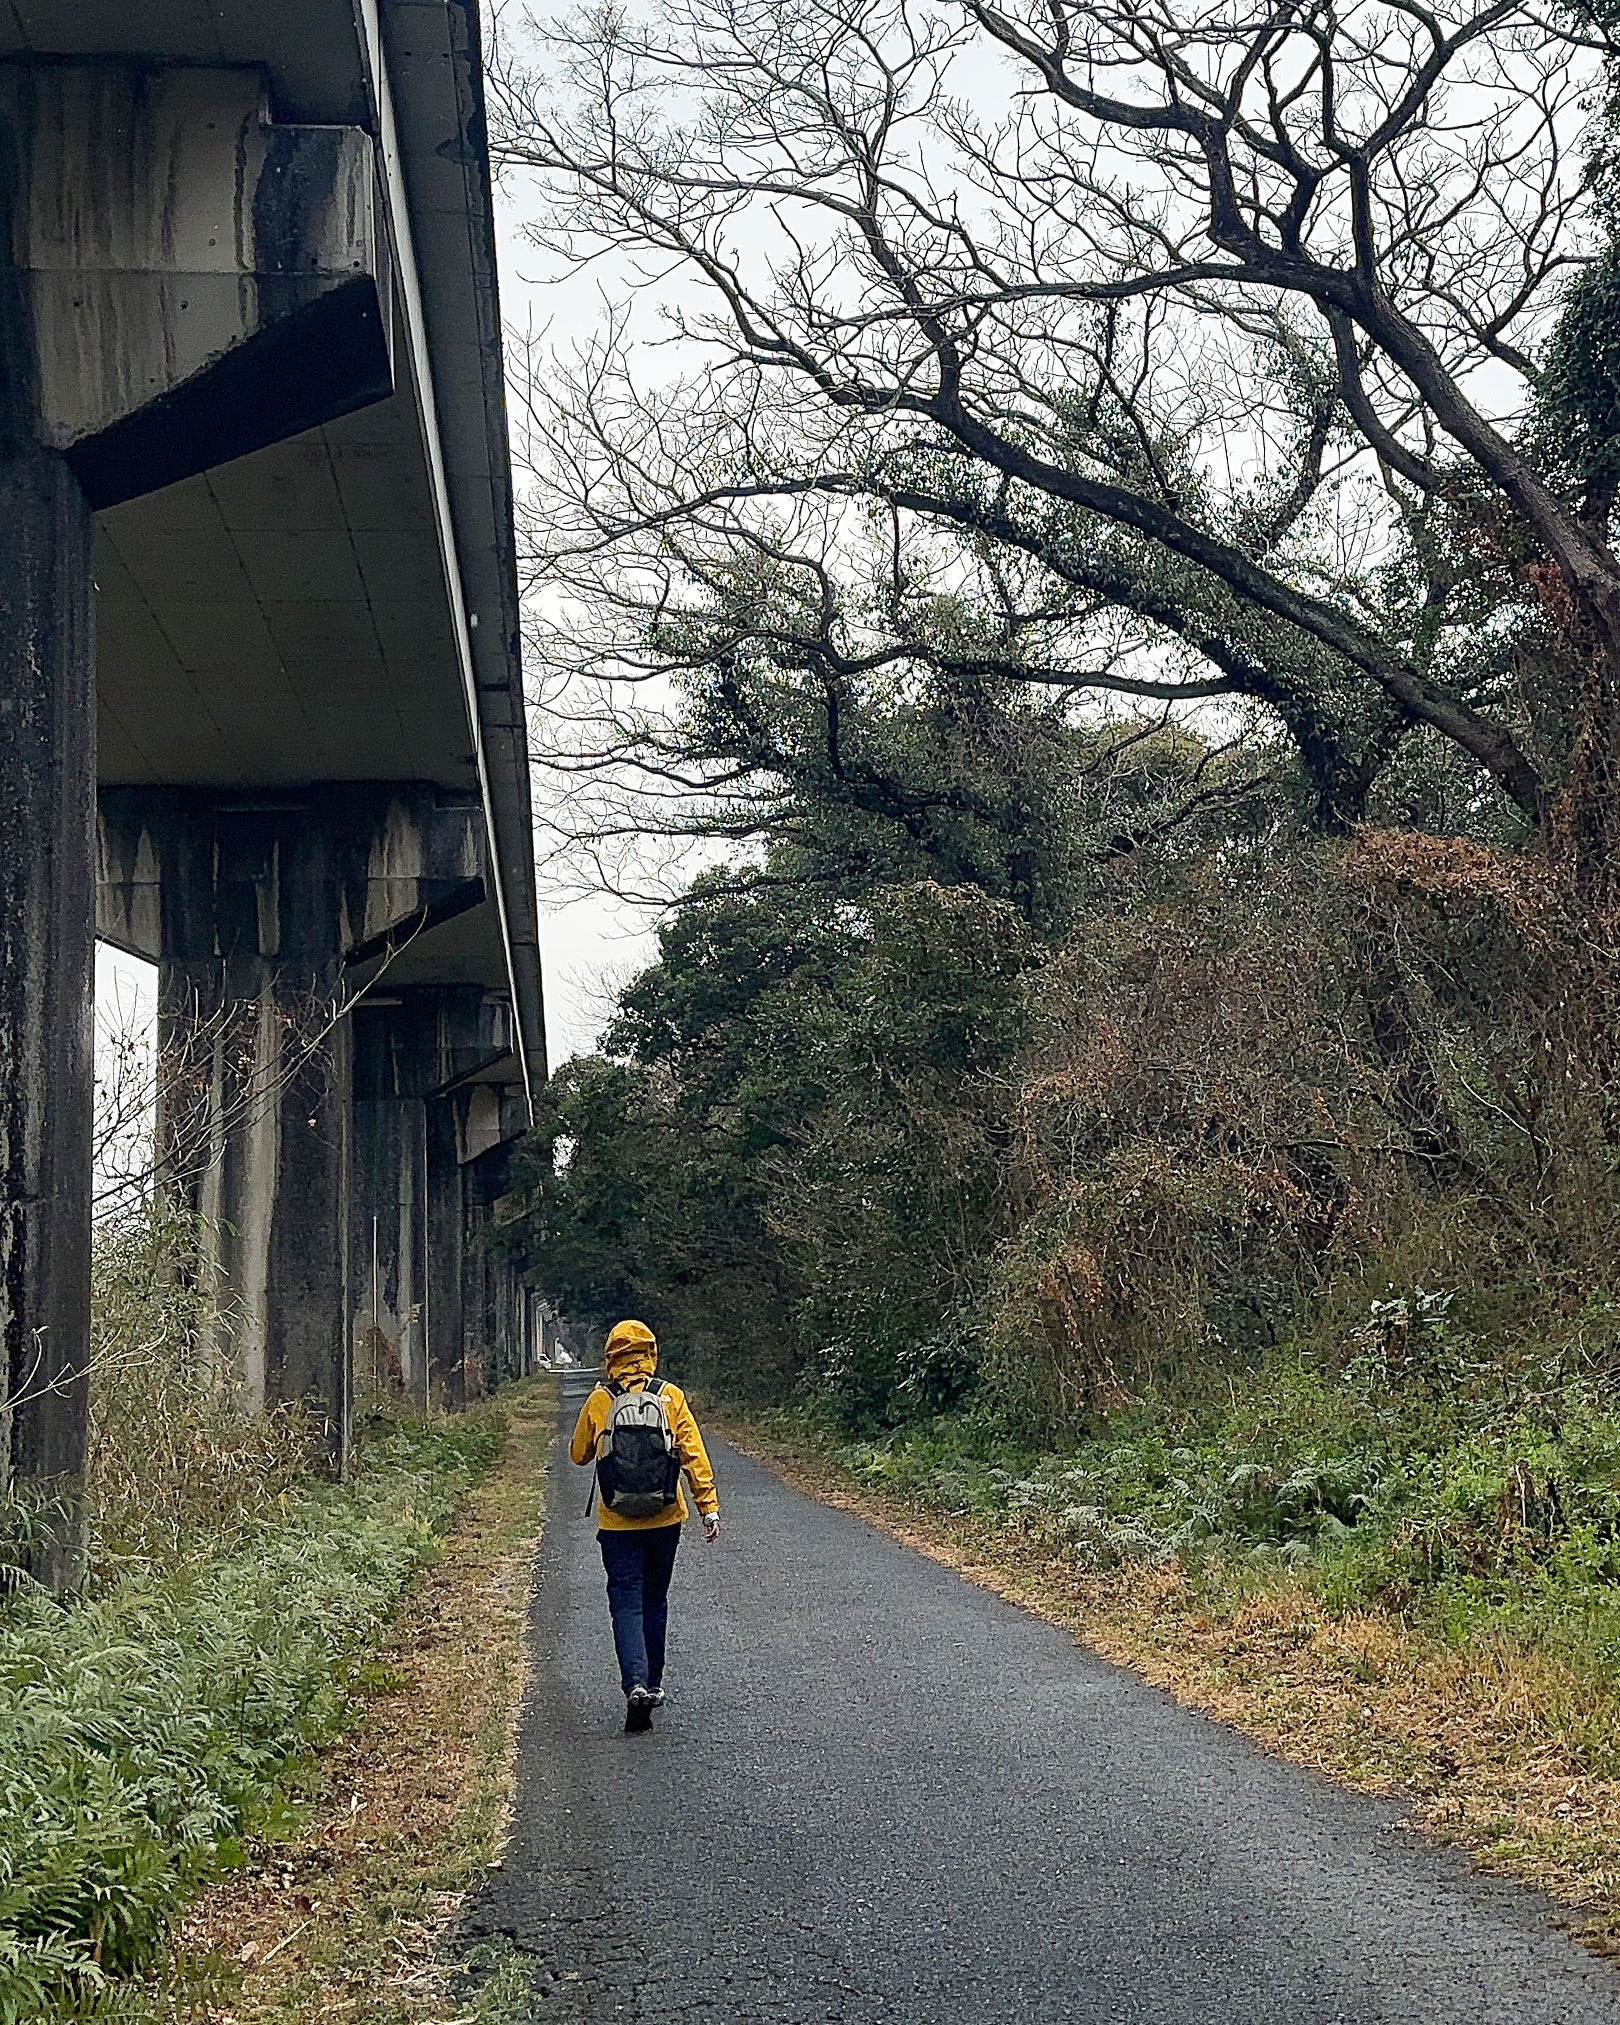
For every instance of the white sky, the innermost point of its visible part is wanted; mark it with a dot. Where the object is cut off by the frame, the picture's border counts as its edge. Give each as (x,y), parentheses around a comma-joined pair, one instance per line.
(592,945)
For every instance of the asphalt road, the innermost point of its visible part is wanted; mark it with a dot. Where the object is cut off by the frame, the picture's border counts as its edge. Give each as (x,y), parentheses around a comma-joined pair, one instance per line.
(880,1793)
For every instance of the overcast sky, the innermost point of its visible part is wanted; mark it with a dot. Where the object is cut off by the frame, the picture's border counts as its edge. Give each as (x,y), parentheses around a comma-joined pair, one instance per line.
(589,946)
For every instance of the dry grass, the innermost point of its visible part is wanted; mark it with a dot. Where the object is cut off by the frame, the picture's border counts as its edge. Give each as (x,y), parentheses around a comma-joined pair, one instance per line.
(1481,1742)
(345,1918)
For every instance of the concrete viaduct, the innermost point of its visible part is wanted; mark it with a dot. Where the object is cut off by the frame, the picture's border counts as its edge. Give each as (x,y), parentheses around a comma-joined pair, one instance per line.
(260,700)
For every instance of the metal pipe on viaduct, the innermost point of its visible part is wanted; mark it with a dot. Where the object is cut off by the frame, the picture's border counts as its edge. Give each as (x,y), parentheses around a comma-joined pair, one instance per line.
(260,703)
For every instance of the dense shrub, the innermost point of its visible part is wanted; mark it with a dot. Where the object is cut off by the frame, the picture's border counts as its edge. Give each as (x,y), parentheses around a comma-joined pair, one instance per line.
(885,1154)
(1465,1482)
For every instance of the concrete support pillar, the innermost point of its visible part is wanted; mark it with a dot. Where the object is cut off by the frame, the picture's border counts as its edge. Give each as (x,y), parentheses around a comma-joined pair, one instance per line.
(395,1062)
(509,1338)
(255,1121)
(420,1116)
(512,1323)
(47,923)
(478,1319)
(517,1317)
(263,914)
(447,1304)
(470,1127)
(486,1315)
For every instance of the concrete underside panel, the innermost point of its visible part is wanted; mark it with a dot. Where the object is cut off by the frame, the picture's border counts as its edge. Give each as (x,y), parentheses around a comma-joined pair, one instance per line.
(317,563)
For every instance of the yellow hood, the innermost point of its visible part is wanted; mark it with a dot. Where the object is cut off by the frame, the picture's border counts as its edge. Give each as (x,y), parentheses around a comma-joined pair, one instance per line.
(632,1352)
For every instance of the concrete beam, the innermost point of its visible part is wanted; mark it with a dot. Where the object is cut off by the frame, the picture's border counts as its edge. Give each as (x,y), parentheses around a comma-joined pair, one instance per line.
(196,281)
(184,868)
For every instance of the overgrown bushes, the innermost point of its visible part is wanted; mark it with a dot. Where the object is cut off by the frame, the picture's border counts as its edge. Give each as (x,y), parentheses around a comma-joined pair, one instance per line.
(884,1151)
(1458,1473)
(145,1730)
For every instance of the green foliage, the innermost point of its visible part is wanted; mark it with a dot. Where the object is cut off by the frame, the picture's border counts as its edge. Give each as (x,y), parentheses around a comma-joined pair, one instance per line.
(1579,392)
(780,1176)
(889,1152)
(1469,1480)
(892,1142)
(145,1730)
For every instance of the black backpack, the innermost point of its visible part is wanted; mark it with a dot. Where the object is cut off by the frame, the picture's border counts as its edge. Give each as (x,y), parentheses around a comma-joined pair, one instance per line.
(638,1469)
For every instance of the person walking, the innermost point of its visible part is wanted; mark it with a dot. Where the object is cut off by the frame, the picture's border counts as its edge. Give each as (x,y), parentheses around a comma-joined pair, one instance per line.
(639,1433)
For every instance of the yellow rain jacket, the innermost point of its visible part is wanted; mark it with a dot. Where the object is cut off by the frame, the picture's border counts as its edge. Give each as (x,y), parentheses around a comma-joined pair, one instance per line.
(630,1360)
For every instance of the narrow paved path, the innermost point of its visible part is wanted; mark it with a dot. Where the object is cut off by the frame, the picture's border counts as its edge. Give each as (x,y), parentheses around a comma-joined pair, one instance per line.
(880,1793)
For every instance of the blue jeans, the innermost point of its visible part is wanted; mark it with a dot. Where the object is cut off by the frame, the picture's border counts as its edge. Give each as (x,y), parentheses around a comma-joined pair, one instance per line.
(639,1566)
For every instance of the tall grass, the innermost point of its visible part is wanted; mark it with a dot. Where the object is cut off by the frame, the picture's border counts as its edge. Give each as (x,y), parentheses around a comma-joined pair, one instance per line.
(150,1722)
(176,1466)
(145,1730)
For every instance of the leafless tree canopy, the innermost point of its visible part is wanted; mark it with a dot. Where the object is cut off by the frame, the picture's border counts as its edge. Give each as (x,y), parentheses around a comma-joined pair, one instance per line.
(1138,352)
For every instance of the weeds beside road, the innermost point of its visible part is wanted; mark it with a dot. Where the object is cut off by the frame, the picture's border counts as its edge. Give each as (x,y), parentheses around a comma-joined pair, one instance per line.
(348,1915)
(165,1731)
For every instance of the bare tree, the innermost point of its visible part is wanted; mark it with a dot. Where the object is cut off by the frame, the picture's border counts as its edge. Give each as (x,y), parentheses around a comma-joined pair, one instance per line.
(170,1092)
(1192,353)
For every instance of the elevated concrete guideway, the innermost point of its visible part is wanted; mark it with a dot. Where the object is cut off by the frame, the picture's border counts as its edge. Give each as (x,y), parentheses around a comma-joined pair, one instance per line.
(252,435)
(340,605)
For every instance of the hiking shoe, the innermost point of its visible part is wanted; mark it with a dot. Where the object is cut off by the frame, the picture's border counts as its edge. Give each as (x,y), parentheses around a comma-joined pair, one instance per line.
(657,1694)
(638,1708)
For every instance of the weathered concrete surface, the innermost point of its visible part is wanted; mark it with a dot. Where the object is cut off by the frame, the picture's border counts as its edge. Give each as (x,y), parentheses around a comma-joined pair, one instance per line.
(882,1794)
(47,846)
(421,1050)
(396,1061)
(180,281)
(447,1308)
(247,291)
(198,282)
(492,1352)
(261,913)
(334,874)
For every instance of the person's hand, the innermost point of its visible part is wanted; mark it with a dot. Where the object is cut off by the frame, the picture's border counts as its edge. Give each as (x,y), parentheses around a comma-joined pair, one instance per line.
(711,1527)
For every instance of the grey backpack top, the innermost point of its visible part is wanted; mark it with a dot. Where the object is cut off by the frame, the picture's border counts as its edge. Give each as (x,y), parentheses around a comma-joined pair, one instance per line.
(638,1467)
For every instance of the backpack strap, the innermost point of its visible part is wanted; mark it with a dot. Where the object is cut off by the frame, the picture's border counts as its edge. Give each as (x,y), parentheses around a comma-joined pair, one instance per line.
(653,1385)
(612,1388)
